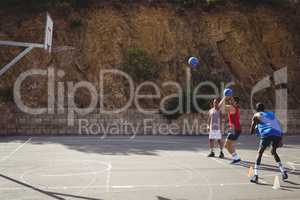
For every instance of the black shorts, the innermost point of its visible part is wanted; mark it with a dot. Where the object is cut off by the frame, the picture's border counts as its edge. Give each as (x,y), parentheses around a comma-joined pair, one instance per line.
(233,135)
(267,141)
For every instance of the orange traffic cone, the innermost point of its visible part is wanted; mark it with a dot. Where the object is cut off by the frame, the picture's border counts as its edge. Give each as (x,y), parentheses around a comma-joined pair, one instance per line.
(276,184)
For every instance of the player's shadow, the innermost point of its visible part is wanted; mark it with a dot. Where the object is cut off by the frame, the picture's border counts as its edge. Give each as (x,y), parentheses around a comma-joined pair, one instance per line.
(292,183)
(54,195)
(264,167)
(163,198)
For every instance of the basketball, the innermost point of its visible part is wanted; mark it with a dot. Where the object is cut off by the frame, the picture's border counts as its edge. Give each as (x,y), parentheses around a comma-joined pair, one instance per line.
(228,92)
(193,61)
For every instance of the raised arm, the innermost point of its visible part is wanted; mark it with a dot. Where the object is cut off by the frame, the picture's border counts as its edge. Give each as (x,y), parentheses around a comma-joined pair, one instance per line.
(222,102)
(228,107)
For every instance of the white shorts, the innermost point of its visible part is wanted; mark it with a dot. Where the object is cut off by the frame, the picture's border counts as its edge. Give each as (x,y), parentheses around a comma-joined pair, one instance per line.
(215,134)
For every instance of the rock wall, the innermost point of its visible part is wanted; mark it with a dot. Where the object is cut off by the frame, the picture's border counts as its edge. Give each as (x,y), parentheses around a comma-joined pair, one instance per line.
(131,122)
(234,43)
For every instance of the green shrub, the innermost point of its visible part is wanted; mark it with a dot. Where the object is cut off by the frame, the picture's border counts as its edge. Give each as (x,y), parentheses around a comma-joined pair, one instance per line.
(76,23)
(6,95)
(139,65)
(170,105)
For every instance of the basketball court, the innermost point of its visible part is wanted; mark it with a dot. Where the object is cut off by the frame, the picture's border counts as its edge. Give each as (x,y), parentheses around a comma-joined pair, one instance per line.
(146,167)
(140,168)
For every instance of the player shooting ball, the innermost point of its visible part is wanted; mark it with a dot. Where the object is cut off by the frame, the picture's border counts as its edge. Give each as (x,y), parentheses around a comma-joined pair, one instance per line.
(267,127)
(233,109)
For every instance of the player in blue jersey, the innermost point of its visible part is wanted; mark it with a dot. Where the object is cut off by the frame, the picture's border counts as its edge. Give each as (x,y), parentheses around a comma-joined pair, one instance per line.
(268,128)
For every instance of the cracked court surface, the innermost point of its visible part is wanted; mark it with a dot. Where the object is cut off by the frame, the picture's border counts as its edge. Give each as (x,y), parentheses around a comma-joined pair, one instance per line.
(142,168)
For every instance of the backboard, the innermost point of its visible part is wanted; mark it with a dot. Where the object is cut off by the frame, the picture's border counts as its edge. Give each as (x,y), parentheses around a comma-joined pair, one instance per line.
(29,46)
(48,33)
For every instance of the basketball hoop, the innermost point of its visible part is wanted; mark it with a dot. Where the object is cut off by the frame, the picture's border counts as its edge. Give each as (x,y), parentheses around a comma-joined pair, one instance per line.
(29,46)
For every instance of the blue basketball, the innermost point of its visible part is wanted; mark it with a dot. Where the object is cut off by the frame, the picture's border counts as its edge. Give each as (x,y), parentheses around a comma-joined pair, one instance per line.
(193,61)
(228,92)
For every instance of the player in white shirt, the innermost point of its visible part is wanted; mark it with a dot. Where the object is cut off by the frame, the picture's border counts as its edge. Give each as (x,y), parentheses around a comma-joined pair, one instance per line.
(215,134)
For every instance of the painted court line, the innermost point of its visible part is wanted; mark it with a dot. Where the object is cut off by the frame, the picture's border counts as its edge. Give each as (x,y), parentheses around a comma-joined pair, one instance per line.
(13,152)
(108,177)
(72,174)
(92,181)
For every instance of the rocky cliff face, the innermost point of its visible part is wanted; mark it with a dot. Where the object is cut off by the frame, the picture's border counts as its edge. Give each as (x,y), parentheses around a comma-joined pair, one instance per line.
(233,43)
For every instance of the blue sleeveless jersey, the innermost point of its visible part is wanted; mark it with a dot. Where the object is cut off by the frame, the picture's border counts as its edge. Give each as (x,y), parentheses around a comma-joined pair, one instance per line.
(268,125)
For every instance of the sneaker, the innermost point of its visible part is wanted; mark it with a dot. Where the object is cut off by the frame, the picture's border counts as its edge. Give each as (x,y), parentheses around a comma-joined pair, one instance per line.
(235,161)
(254,179)
(212,154)
(285,176)
(221,155)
